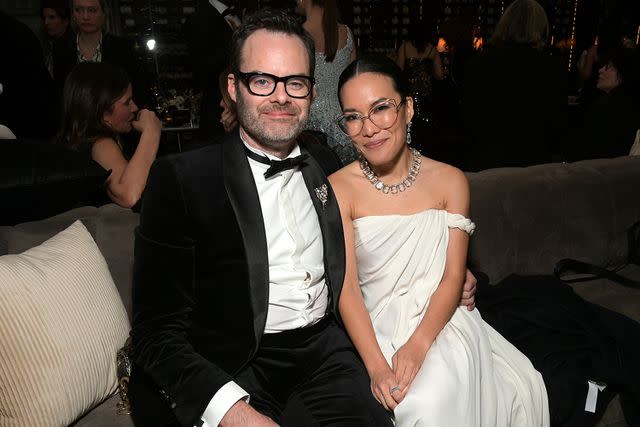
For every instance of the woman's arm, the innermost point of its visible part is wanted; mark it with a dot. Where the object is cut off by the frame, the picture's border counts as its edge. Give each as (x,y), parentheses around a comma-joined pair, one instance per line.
(129,178)
(586,68)
(438,70)
(354,50)
(355,315)
(409,358)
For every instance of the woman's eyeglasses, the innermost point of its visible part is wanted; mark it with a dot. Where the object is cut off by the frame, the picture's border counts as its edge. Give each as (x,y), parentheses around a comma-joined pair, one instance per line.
(383,115)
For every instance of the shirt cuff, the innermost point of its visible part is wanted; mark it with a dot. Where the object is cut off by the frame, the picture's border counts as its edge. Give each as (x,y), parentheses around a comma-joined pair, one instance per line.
(221,402)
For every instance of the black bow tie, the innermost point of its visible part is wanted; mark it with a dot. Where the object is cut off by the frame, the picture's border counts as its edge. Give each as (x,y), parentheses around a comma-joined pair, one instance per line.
(276,166)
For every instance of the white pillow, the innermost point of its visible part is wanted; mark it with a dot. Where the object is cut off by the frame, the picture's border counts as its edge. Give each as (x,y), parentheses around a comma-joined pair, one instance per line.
(61,324)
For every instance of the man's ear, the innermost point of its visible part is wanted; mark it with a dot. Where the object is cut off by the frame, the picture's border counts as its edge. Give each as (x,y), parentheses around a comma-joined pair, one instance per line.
(231,86)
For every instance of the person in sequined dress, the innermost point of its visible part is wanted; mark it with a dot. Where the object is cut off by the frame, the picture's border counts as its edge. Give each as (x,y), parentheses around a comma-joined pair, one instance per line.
(335,49)
(421,63)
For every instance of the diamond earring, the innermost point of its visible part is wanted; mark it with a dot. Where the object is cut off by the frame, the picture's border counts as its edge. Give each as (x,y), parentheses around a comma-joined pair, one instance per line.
(409,133)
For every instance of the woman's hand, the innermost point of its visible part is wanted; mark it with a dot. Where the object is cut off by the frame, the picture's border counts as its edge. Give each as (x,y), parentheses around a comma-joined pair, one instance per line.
(146,121)
(383,382)
(406,363)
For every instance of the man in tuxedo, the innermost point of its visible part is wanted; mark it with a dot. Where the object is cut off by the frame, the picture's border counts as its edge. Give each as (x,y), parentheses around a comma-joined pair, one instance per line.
(239,263)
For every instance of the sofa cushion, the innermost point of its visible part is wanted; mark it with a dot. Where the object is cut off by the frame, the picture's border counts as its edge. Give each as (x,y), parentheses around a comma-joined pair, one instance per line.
(62,324)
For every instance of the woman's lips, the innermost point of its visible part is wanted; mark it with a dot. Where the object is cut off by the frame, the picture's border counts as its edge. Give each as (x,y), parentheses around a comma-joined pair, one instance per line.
(375,144)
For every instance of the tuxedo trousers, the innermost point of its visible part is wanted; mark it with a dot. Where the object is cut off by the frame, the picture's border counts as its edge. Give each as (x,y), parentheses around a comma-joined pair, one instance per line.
(311,377)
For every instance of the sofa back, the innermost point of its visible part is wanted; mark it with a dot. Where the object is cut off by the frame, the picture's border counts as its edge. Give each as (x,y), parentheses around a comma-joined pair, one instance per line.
(110,225)
(526,218)
(529,218)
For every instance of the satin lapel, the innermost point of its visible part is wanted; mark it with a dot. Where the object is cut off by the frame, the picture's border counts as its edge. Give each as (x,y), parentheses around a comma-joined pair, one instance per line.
(243,195)
(330,225)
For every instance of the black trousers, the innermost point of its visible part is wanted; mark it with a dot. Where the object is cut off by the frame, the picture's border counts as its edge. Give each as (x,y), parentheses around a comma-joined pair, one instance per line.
(304,378)
(312,377)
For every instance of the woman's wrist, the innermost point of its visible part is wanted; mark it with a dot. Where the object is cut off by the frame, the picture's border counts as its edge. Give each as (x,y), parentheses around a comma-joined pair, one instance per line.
(377,363)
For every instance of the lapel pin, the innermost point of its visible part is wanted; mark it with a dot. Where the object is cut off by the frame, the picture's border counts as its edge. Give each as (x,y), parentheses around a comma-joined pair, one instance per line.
(322,193)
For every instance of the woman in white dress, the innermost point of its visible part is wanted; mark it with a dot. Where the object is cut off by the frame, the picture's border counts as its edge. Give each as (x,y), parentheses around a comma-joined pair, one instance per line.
(407,232)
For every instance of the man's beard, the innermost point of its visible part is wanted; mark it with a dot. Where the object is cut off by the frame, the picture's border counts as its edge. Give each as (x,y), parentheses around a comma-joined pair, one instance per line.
(272,135)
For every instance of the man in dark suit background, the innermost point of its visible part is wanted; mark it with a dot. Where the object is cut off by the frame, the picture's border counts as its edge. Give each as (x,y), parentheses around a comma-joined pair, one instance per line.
(239,263)
(27,95)
(207,34)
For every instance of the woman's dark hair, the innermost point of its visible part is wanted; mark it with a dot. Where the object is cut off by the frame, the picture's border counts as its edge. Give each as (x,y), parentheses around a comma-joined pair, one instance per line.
(275,21)
(60,6)
(626,63)
(329,27)
(379,64)
(421,34)
(90,90)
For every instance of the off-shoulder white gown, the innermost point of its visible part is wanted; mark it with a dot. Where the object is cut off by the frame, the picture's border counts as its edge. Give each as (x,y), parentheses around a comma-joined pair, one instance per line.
(471,375)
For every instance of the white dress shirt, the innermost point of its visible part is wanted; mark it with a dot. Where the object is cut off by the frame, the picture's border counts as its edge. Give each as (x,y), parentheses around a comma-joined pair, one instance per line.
(298,295)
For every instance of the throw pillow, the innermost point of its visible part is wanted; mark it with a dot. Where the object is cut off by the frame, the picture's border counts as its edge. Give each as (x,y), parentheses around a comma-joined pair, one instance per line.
(61,324)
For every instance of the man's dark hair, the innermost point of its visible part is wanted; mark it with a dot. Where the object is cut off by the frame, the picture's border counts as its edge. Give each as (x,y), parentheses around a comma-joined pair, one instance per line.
(60,6)
(275,21)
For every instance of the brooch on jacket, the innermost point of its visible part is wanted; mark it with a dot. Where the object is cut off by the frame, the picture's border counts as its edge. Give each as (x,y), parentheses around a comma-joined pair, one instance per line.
(322,193)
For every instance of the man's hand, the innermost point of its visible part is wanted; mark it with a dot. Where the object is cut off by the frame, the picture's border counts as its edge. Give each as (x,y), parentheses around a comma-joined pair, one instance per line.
(469,291)
(241,414)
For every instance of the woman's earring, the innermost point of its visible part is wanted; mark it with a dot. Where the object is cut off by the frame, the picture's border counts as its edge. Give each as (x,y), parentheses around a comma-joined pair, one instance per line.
(409,133)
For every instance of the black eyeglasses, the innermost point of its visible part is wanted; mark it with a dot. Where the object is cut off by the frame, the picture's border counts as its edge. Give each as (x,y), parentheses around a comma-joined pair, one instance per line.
(383,115)
(263,84)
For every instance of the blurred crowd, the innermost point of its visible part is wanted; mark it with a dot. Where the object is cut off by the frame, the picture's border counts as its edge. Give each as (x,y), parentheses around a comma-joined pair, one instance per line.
(479,103)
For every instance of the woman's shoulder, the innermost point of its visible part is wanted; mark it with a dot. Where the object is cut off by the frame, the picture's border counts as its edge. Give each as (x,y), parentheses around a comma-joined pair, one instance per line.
(345,37)
(104,143)
(443,174)
(345,179)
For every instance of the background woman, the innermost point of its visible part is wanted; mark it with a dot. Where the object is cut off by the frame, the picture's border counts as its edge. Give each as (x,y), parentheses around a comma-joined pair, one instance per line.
(335,49)
(612,118)
(514,103)
(406,236)
(97,109)
(93,42)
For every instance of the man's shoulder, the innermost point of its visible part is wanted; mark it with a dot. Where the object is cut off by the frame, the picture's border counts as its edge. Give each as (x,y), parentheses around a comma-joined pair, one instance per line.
(326,157)
(199,161)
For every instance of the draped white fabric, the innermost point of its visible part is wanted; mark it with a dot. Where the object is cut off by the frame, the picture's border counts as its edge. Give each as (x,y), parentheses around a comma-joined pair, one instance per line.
(471,376)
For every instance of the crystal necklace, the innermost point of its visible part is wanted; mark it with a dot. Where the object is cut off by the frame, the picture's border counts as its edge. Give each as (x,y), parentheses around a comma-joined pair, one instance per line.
(396,188)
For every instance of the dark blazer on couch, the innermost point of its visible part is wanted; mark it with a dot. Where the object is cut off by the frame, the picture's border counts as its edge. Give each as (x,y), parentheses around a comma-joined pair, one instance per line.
(201,273)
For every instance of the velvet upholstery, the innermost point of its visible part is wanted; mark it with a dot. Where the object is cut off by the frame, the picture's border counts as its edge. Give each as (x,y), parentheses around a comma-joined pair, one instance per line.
(40,179)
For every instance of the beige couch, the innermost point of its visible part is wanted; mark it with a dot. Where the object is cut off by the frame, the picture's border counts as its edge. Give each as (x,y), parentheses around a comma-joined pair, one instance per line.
(527,219)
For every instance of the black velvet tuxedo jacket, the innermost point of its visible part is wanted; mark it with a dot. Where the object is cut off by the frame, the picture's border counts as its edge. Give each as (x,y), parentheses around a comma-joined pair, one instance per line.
(201,270)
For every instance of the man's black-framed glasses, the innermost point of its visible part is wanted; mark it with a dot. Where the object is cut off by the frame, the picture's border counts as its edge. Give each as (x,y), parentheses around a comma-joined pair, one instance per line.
(384,115)
(264,84)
